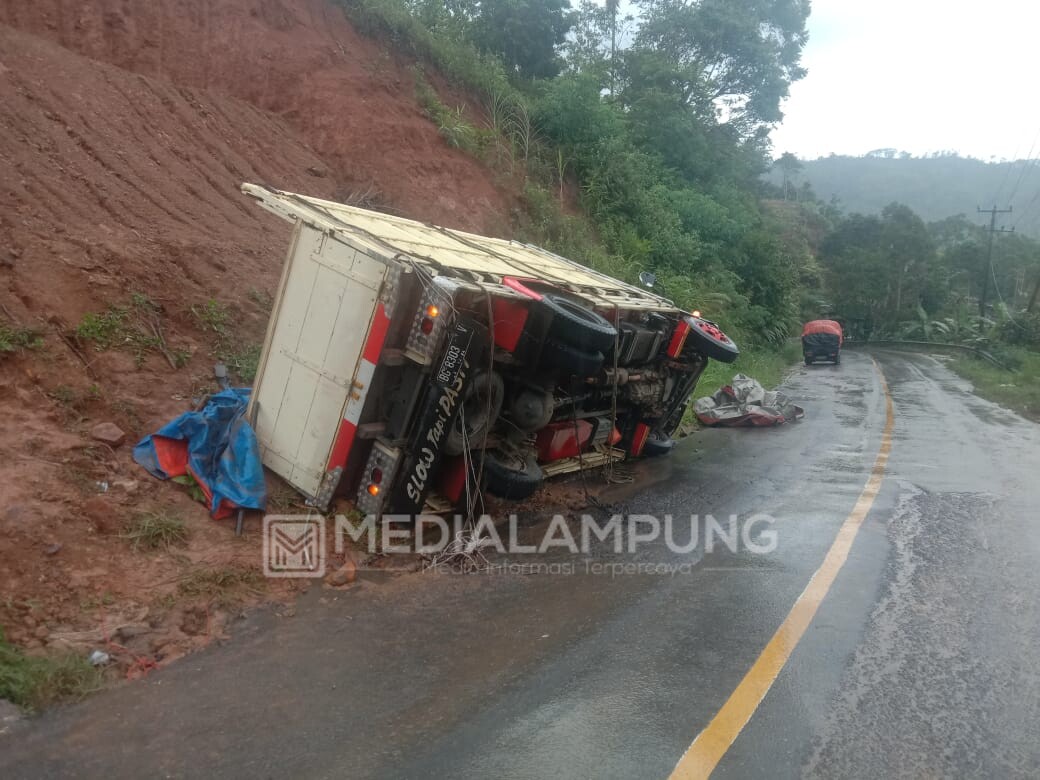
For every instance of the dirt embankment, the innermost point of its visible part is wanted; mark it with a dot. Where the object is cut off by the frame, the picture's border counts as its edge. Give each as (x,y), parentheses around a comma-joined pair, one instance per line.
(349,98)
(126,127)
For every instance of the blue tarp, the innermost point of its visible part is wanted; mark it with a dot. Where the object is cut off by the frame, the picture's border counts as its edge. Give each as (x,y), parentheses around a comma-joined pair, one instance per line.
(215,445)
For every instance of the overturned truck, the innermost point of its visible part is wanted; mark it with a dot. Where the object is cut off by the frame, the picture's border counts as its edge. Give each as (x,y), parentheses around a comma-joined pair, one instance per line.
(409,366)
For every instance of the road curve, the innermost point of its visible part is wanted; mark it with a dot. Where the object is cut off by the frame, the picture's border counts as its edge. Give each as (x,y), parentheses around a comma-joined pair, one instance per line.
(921,659)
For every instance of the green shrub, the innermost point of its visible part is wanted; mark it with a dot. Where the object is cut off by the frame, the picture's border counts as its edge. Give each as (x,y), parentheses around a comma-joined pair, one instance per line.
(122,327)
(17,338)
(212,316)
(1023,330)
(242,360)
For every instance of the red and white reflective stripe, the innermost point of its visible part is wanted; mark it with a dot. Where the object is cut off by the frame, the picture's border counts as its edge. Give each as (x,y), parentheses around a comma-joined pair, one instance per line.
(359,389)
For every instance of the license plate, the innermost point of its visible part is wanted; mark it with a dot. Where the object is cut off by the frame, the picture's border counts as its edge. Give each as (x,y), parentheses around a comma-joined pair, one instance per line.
(454,355)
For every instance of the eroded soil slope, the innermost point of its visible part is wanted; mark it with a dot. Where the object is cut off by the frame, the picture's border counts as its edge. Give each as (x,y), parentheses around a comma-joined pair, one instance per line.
(129,262)
(348,96)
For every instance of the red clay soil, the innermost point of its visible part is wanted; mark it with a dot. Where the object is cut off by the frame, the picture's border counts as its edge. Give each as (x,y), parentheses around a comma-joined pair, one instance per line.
(347,96)
(126,128)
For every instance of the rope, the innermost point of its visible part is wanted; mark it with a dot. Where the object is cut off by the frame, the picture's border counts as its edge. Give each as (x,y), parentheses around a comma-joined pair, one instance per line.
(609,471)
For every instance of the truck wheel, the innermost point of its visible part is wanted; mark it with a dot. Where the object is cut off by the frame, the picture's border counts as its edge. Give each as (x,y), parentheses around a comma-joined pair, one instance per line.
(808,360)
(532,411)
(707,338)
(571,359)
(480,410)
(656,444)
(513,476)
(573,324)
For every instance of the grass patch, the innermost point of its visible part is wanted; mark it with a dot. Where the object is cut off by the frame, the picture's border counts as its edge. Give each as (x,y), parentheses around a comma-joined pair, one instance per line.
(34,682)
(451,122)
(458,61)
(92,603)
(242,360)
(225,586)
(133,327)
(1019,390)
(212,316)
(64,395)
(261,298)
(18,339)
(155,531)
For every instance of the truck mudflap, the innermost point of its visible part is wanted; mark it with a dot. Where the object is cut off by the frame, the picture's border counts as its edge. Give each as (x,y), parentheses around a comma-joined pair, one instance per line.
(397,481)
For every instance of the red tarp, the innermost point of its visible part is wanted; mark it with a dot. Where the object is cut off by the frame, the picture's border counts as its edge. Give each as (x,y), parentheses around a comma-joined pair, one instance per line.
(823,326)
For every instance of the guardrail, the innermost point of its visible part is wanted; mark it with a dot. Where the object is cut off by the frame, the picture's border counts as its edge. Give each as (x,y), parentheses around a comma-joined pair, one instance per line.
(931,346)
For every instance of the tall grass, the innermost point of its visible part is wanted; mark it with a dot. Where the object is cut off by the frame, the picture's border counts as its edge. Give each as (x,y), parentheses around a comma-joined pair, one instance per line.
(1019,390)
(33,682)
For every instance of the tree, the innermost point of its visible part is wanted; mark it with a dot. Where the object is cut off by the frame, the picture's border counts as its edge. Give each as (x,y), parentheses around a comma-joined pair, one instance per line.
(882,269)
(732,59)
(789,165)
(524,33)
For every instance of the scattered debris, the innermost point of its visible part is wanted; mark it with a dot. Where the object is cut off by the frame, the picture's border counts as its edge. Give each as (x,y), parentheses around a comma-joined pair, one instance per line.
(744,402)
(344,575)
(99,658)
(217,446)
(108,433)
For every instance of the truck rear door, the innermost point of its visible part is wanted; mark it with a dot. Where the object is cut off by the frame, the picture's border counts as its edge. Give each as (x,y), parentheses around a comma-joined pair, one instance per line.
(322,316)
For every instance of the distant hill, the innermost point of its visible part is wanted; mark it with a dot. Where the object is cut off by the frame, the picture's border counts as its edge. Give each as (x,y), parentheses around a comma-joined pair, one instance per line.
(935,187)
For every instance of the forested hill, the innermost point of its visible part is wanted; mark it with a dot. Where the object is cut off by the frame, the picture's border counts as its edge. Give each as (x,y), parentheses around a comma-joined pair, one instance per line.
(935,187)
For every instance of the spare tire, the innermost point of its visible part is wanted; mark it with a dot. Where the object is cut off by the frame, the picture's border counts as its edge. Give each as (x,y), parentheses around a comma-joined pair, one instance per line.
(578,326)
(480,410)
(510,475)
(657,443)
(708,339)
(570,360)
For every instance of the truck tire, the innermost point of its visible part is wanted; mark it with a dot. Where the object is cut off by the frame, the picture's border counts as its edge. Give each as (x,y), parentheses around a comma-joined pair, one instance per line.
(657,443)
(578,326)
(480,411)
(571,360)
(511,476)
(708,339)
(532,411)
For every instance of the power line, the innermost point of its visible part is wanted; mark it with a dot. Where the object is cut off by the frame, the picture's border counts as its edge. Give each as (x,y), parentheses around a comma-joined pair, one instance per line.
(1007,174)
(1023,212)
(1030,162)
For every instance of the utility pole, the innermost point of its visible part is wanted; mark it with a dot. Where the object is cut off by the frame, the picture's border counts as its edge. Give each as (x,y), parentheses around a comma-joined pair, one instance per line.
(987,271)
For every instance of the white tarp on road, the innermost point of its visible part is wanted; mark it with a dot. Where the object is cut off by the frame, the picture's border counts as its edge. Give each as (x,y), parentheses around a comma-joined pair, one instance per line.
(745,402)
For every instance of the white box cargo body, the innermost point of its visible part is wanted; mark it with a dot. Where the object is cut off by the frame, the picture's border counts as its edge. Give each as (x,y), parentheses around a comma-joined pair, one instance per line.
(313,354)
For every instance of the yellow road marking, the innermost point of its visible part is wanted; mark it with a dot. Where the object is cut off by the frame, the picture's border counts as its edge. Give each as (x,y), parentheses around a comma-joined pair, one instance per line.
(712,743)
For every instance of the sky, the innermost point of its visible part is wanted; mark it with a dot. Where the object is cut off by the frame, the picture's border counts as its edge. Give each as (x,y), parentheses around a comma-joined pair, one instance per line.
(919,76)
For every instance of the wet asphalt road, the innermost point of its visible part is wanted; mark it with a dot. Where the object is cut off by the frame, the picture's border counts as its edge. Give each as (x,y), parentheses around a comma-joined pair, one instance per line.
(921,662)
